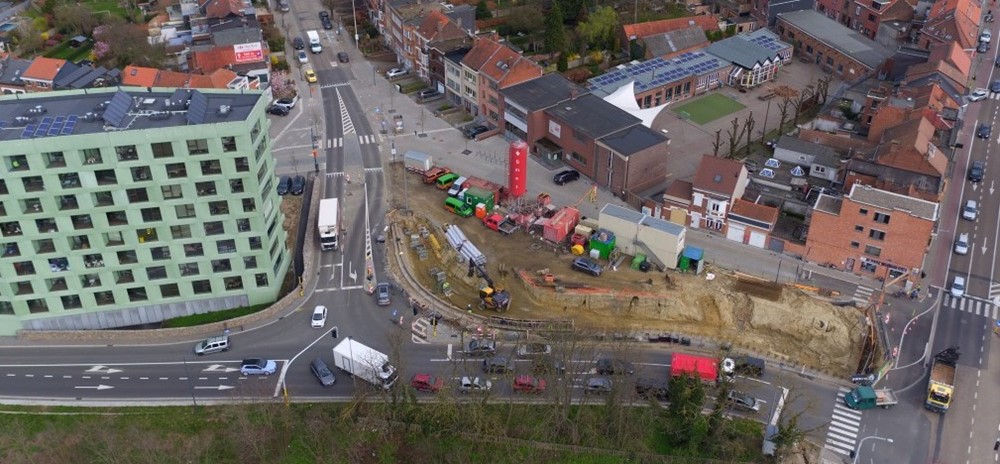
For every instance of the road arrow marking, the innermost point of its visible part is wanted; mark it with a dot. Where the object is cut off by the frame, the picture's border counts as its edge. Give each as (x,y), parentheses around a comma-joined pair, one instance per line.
(216,387)
(104,370)
(991,187)
(984,249)
(220,368)
(95,387)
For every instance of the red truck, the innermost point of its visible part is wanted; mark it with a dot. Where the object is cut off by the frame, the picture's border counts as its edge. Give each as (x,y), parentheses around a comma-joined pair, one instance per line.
(697,367)
(500,223)
(431,175)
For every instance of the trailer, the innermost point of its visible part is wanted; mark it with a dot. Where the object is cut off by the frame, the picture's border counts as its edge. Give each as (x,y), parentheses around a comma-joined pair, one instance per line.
(363,362)
(866,397)
(697,367)
(416,161)
(329,213)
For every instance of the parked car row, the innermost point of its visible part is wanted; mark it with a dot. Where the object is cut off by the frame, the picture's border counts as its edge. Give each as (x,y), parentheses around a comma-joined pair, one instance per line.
(291,185)
(466,384)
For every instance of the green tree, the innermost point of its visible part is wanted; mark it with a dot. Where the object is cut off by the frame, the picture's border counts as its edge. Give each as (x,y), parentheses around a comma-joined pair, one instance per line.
(555,30)
(483,10)
(599,29)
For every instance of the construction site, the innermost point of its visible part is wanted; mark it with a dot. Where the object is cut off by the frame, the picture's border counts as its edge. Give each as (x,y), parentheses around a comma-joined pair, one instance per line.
(520,272)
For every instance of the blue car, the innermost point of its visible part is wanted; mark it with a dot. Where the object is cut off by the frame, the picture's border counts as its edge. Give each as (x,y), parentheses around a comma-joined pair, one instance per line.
(258,366)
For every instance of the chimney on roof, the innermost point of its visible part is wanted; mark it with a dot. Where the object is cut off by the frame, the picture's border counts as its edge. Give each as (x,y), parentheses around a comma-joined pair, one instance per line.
(573,93)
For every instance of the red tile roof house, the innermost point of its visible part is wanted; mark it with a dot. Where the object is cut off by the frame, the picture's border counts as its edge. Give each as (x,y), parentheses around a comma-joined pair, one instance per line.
(435,27)
(494,66)
(40,75)
(716,186)
(638,32)
(952,20)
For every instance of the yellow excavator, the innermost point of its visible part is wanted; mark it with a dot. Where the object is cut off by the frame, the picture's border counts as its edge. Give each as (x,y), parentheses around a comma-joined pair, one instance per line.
(490,296)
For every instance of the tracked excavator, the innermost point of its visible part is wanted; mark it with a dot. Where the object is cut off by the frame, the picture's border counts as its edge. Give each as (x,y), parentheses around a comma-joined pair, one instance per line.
(490,295)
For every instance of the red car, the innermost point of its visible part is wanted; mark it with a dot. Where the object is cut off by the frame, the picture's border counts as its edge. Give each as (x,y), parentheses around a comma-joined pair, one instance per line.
(529,384)
(426,383)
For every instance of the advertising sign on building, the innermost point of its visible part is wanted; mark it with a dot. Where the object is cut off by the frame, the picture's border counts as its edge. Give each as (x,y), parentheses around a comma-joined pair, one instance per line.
(248,52)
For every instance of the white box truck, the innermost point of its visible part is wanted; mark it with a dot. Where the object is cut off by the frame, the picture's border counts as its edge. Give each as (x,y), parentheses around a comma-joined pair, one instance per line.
(365,363)
(329,215)
(314,45)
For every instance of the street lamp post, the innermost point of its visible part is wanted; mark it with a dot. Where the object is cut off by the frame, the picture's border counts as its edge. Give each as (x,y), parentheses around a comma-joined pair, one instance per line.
(862,442)
(354,12)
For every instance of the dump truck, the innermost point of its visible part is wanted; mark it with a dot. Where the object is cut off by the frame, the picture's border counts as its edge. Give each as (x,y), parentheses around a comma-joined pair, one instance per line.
(365,363)
(418,162)
(866,397)
(500,223)
(329,214)
(941,385)
(697,367)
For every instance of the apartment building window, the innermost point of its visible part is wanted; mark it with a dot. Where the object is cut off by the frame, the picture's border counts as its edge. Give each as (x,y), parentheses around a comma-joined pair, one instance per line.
(124,277)
(54,159)
(871,17)
(117,218)
(236,186)
(140,174)
(162,150)
(184,211)
(104,199)
(170,290)
(79,242)
(259,151)
(242,164)
(23,288)
(229,144)
(104,298)
(881,218)
(10,249)
(151,215)
(11,229)
(126,153)
(31,206)
(205,188)
(44,245)
(3,187)
(127,257)
(170,192)
(188,269)
(233,283)
(176,171)
(92,156)
(17,163)
(221,265)
(106,177)
(90,280)
(24,268)
(160,253)
(249,262)
(578,158)
(192,250)
(6,308)
(211,167)
(33,184)
(261,280)
(197,146)
(137,195)
(876,234)
(857,11)
(863,211)
(82,221)
(214,228)
(249,205)
(71,302)
(147,235)
(873,251)
(38,306)
(180,232)
(226,246)
(156,272)
(93,260)
(242,225)
(114,238)
(136,294)
(201,287)
(858,228)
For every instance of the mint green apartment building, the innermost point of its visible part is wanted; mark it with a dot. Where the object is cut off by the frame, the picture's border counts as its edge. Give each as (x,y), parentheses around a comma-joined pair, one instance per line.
(127,206)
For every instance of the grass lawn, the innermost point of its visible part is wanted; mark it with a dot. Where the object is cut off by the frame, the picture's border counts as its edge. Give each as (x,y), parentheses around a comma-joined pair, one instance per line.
(207,318)
(65,52)
(709,108)
(106,6)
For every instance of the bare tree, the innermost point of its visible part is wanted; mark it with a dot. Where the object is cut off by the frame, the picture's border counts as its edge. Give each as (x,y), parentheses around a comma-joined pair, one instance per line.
(717,143)
(823,88)
(805,95)
(735,134)
(787,95)
(75,17)
(28,39)
(748,127)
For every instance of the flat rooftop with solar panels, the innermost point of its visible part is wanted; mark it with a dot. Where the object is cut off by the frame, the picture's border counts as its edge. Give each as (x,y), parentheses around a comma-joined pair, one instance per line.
(656,73)
(62,113)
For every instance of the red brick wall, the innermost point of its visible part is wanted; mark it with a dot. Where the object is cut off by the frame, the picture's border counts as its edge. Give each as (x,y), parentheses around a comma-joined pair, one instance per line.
(830,237)
(812,49)
(586,149)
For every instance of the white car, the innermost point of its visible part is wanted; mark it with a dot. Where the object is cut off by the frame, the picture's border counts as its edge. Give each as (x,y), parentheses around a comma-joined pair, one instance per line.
(978,94)
(287,102)
(962,244)
(319,317)
(396,72)
(986,36)
(970,210)
(474,385)
(958,287)
(303,58)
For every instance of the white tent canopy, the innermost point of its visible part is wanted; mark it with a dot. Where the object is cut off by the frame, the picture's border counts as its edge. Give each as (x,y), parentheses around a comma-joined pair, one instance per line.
(624,98)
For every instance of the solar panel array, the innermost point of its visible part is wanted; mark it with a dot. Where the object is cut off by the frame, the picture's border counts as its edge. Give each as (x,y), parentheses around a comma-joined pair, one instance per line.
(657,71)
(49,127)
(767,42)
(118,109)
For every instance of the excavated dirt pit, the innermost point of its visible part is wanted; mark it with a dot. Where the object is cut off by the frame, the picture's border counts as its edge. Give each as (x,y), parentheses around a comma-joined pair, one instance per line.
(779,322)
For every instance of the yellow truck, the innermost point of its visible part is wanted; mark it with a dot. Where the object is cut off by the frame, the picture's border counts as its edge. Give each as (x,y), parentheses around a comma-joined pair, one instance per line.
(941,386)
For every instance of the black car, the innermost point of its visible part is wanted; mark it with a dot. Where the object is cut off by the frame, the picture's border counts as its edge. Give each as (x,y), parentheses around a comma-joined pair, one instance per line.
(342,57)
(983,131)
(278,110)
(298,43)
(298,185)
(983,47)
(548,365)
(976,171)
(612,366)
(566,176)
(427,93)
(587,266)
(482,348)
(284,185)
(652,388)
(327,24)
(496,365)
(472,131)
(598,386)
(324,15)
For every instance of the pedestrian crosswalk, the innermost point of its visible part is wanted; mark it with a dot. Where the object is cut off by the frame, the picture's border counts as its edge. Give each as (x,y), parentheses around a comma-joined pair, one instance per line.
(994,95)
(842,435)
(994,291)
(338,142)
(971,304)
(863,295)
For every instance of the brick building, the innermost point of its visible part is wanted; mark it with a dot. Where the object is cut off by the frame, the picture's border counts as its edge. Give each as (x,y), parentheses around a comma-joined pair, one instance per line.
(707,199)
(952,21)
(836,49)
(871,232)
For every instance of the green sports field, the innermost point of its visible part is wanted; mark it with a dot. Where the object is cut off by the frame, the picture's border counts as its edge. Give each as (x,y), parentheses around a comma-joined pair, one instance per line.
(709,108)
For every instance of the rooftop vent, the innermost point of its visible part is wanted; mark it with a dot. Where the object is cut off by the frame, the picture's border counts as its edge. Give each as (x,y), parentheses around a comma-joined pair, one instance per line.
(224,110)
(37,109)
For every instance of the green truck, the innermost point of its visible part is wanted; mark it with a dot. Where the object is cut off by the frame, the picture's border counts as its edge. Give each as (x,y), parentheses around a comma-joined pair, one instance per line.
(865,397)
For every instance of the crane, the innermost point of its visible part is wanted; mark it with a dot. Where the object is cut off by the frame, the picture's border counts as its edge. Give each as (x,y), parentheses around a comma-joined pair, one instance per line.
(490,295)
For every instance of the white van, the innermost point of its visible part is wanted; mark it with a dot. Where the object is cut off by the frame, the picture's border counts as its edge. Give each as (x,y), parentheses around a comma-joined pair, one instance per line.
(314,44)
(457,186)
